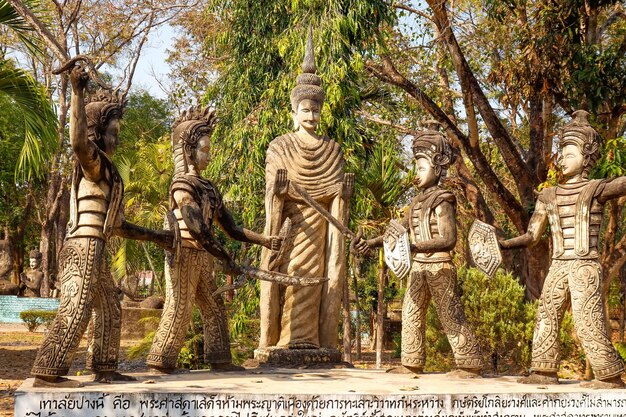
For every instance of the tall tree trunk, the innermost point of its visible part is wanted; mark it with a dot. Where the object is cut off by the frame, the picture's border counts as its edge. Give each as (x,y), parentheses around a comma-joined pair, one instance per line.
(347,323)
(622,316)
(16,240)
(357,306)
(380,314)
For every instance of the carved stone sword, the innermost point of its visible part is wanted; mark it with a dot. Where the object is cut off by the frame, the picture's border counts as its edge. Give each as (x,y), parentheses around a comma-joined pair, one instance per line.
(271,276)
(322,211)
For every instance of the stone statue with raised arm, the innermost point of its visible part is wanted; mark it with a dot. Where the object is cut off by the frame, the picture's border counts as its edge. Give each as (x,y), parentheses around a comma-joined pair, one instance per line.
(304,173)
(431,223)
(87,287)
(196,205)
(574,211)
(32,277)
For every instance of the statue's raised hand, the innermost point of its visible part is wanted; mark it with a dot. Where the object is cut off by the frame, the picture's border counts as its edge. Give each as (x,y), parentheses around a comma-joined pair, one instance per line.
(281,183)
(78,76)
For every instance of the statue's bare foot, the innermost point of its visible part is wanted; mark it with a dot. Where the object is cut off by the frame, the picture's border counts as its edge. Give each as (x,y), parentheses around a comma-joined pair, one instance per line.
(56,382)
(540,378)
(611,383)
(465,373)
(157,370)
(226,367)
(414,369)
(106,377)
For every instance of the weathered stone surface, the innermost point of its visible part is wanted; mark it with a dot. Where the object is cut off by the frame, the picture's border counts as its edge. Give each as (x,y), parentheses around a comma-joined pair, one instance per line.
(281,357)
(337,392)
(431,222)
(133,324)
(574,210)
(152,302)
(8,288)
(305,317)
(32,277)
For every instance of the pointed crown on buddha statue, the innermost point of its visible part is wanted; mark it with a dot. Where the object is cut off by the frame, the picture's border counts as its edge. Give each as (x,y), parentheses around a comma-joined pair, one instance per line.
(308,84)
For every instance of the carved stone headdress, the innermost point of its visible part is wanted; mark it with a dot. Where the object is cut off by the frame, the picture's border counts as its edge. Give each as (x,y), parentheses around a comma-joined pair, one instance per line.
(190,126)
(434,146)
(580,133)
(101,107)
(35,254)
(308,84)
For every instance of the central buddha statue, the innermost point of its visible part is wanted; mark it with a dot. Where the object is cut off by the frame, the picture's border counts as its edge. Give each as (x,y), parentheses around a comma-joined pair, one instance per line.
(305,317)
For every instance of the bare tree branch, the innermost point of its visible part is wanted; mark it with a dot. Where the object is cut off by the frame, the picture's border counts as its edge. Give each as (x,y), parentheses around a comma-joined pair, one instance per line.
(389,74)
(501,136)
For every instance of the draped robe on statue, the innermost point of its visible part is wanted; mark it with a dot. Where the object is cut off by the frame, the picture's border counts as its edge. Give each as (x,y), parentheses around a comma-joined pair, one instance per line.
(305,317)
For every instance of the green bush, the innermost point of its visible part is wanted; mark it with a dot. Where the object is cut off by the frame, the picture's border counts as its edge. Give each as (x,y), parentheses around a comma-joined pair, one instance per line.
(496,310)
(439,357)
(34,318)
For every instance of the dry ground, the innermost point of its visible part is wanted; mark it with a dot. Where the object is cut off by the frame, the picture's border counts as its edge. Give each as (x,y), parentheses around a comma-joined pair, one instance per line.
(18,348)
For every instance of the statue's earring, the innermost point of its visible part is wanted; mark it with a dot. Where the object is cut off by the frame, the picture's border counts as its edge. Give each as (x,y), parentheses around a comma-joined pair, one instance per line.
(296,125)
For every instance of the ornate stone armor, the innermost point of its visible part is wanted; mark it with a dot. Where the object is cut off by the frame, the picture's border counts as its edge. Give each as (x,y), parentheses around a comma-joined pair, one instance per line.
(575,218)
(424,224)
(95,208)
(208,198)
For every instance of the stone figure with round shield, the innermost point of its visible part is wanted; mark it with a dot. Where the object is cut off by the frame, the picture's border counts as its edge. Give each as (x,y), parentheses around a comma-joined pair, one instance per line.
(574,211)
(431,223)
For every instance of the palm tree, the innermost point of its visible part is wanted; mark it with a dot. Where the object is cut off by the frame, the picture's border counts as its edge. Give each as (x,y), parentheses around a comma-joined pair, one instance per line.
(31,102)
(381,183)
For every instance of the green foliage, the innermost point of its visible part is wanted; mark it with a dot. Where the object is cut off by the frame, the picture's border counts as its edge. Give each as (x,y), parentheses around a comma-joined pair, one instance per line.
(29,100)
(613,160)
(253,100)
(243,321)
(191,356)
(621,350)
(438,350)
(34,318)
(143,347)
(31,109)
(397,344)
(13,20)
(144,161)
(497,311)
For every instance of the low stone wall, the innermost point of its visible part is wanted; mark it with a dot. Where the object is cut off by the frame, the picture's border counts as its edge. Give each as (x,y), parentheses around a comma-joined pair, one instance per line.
(11,306)
(137,322)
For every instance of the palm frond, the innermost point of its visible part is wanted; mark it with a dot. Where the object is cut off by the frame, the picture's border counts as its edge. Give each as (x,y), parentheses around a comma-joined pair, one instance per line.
(25,33)
(40,120)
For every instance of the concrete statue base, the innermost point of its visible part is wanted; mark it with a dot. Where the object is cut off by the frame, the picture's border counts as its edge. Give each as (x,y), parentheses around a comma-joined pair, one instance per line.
(335,392)
(282,357)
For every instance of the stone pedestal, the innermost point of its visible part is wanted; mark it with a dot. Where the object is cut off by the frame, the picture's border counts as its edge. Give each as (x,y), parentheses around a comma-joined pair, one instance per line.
(320,393)
(281,357)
